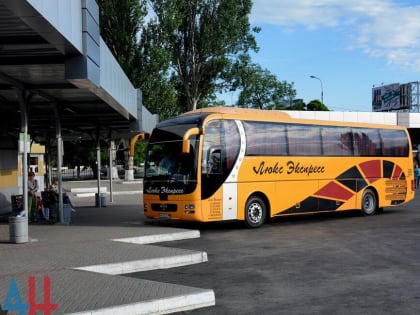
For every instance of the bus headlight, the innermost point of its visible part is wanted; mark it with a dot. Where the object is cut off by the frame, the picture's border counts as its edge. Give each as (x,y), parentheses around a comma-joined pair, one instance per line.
(189,209)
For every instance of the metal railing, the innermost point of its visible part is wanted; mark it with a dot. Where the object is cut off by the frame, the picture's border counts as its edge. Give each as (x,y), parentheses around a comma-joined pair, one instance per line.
(84,173)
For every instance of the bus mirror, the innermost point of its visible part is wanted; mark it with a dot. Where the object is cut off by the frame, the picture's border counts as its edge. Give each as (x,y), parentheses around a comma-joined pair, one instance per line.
(139,136)
(186,139)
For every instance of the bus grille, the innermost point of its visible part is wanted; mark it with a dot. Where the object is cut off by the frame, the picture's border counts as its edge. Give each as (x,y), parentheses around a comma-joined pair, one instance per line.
(166,207)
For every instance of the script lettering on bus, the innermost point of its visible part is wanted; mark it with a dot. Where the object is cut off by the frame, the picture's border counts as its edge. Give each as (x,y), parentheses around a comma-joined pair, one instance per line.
(290,168)
(305,169)
(263,169)
(164,190)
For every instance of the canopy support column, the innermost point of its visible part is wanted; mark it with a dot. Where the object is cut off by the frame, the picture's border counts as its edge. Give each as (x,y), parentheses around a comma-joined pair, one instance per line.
(60,153)
(98,171)
(23,99)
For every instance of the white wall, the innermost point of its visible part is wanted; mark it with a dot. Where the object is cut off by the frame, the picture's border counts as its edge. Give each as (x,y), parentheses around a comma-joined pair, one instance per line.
(409,120)
(115,82)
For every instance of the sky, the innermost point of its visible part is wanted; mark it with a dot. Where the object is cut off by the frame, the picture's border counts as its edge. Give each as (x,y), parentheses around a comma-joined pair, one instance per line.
(349,45)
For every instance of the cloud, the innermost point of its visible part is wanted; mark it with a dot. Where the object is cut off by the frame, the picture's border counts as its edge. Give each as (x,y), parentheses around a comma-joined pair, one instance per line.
(380,28)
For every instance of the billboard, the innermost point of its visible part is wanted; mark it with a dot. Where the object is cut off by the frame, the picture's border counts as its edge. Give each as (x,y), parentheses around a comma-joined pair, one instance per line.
(386,98)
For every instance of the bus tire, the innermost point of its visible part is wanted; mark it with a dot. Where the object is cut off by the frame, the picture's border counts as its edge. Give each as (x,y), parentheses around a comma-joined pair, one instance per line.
(255,212)
(369,202)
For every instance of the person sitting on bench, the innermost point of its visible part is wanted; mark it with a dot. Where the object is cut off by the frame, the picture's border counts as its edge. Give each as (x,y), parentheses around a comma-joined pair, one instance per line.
(66,198)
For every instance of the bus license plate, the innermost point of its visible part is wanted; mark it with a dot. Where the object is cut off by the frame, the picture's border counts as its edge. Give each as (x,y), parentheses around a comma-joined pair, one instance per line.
(164,215)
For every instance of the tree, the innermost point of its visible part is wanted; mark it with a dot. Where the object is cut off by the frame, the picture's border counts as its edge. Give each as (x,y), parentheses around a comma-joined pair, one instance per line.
(143,62)
(154,79)
(78,154)
(140,152)
(261,89)
(201,38)
(120,22)
(300,105)
(316,105)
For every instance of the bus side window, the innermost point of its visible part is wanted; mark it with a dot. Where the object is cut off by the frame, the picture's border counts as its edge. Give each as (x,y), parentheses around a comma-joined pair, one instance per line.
(231,146)
(367,142)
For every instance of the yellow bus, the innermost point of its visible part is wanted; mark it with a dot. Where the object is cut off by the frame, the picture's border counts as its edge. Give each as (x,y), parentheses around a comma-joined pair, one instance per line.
(222,163)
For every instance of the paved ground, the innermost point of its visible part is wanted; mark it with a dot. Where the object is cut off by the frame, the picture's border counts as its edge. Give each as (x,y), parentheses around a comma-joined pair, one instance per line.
(85,261)
(324,264)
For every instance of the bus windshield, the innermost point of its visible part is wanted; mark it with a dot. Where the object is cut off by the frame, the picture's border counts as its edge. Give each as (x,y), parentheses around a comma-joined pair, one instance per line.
(166,162)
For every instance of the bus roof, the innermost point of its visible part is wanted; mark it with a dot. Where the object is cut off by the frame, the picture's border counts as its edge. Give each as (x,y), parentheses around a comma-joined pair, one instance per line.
(252,112)
(277,115)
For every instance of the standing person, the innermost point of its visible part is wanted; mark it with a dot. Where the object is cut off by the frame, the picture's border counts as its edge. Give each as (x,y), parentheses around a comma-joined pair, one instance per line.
(32,190)
(416,175)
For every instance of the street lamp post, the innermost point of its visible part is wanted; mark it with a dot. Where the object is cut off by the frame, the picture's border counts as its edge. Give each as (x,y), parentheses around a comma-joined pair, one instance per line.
(322,89)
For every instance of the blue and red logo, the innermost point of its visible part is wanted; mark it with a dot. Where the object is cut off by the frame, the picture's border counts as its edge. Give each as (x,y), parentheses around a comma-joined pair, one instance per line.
(13,301)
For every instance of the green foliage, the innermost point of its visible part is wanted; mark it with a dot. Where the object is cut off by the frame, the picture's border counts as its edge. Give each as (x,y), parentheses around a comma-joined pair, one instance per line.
(159,93)
(77,153)
(120,22)
(298,106)
(140,152)
(260,88)
(316,105)
(199,39)
(189,51)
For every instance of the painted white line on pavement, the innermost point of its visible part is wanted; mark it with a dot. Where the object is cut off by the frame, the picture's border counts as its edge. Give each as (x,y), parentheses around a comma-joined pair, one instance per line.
(147,264)
(180,303)
(158,238)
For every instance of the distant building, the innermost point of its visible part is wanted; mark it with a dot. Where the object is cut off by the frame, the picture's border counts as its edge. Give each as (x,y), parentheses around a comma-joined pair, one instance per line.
(396,97)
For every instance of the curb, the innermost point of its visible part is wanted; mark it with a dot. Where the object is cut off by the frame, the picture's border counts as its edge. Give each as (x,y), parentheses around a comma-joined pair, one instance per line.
(159,306)
(147,264)
(159,238)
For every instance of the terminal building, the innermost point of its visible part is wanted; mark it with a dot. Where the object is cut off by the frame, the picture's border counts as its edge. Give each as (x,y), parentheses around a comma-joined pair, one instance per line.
(58,82)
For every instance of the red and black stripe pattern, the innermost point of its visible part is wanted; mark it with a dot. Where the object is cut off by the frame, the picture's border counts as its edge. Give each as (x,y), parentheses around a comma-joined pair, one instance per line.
(336,192)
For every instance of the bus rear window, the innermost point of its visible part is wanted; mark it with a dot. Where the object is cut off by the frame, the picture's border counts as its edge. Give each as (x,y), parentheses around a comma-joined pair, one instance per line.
(394,143)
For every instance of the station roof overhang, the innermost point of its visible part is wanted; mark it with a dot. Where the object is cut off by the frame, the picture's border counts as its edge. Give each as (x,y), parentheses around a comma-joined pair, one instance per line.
(36,63)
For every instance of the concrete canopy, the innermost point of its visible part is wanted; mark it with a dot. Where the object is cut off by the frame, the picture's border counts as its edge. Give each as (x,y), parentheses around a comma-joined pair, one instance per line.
(65,75)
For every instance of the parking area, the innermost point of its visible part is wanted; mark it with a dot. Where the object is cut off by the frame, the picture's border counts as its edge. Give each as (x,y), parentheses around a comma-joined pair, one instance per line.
(322,264)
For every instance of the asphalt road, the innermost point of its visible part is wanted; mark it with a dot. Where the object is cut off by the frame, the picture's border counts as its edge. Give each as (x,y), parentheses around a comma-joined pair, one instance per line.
(323,264)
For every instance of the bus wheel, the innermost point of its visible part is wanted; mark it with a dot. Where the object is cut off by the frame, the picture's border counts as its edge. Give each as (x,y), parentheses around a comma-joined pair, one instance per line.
(369,202)
(255,212)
